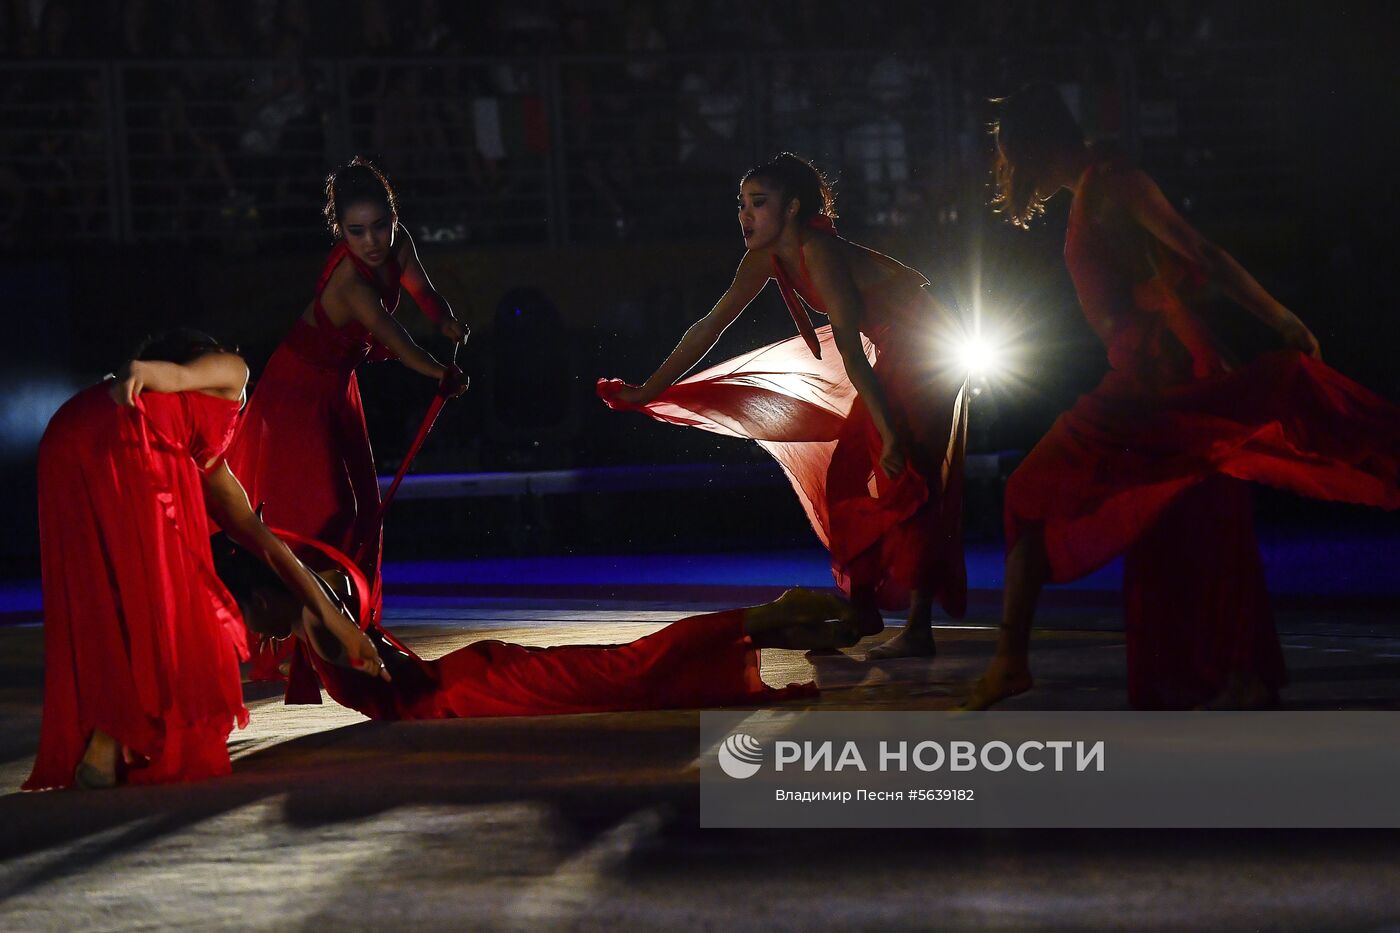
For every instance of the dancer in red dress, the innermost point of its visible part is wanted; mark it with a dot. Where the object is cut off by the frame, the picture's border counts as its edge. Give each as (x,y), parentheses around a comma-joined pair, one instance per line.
(303,450)
(700,661)
(864,418)
(141,641)
(1150,462)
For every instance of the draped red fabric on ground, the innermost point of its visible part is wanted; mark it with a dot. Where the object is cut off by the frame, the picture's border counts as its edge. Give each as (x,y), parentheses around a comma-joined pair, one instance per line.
(141,640)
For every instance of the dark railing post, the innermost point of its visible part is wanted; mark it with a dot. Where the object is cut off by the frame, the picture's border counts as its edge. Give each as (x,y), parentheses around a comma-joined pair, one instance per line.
(347,127)
(119,150)
(754,108)
(556,165)
(1128,94)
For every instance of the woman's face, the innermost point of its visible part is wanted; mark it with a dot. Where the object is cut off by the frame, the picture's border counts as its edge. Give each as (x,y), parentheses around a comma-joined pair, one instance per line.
(761,214)
(368,230)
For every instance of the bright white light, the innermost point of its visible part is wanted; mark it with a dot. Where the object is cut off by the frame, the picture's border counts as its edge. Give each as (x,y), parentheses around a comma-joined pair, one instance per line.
(980,356)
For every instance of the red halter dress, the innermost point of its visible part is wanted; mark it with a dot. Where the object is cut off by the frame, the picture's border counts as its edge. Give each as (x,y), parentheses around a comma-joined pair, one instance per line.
(794,398)
(1149,464)
(302,449)
(141,640)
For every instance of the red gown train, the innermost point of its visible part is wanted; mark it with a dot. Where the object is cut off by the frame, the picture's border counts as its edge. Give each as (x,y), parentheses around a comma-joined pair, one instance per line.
(141,640)
(887,536)
(1147,464)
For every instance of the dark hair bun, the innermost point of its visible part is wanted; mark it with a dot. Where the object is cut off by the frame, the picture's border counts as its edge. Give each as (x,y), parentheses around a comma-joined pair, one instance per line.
(355,181)
(800,179)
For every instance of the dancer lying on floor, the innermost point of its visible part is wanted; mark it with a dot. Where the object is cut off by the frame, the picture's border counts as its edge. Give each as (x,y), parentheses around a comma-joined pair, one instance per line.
(141,640)
(700,661)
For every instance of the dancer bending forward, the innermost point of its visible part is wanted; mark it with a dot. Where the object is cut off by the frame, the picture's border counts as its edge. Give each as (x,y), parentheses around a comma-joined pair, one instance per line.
(866,422)
(141,640)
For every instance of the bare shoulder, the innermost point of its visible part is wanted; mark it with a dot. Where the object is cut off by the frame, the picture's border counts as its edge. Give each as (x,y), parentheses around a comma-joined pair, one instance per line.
(222,373)
(347,294)
(1121,182)
(825,249)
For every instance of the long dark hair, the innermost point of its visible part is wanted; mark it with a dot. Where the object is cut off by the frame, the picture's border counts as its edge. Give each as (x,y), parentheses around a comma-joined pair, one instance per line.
(181,345)
(1032,125)
(797,178)
(355,181)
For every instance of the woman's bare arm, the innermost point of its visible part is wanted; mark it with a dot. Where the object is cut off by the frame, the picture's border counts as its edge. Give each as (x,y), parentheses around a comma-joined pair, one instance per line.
(361,301)
(831,275)
(228,505)
(753,273)
(220,374)
(429,301)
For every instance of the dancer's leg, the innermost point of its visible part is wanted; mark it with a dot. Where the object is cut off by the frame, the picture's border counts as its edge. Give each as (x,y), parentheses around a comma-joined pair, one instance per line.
(802,619)
(98,767)
(1009,671)
(867,611)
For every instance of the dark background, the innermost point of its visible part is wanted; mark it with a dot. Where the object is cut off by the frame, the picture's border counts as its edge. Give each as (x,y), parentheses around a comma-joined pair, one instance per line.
(160,163)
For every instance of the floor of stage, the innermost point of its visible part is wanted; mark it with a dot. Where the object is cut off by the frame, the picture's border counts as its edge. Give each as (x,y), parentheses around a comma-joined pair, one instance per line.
(331,821)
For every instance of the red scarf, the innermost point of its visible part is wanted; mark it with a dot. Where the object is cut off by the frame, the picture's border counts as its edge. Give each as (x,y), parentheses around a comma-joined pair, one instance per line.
(822,224)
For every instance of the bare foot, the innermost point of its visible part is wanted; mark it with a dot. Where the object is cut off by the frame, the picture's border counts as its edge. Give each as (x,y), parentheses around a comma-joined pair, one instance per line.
(98,768)
(1242,692)
(796,607)
(1004,678)
(801,607)
(911,642)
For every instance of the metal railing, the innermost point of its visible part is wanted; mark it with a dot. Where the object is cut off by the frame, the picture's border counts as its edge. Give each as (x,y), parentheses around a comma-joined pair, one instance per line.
(561,150)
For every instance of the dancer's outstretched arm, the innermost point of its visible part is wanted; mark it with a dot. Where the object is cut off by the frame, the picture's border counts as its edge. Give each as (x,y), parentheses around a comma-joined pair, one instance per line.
(228,505)
(433,305)
(831,274)
(1145,202)
(753,273)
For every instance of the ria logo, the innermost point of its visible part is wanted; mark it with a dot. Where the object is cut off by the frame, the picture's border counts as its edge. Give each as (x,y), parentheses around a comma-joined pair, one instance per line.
(740,756)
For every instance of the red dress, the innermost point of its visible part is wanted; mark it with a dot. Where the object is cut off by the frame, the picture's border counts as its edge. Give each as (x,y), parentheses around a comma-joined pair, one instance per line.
(1147,464)
(696,662)
(889,536)
(302,448)
(141,640)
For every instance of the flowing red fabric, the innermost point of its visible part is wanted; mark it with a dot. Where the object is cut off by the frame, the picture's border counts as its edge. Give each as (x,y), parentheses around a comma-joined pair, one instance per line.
(1112,474)
(141,640)
(302,449)
(887,536)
